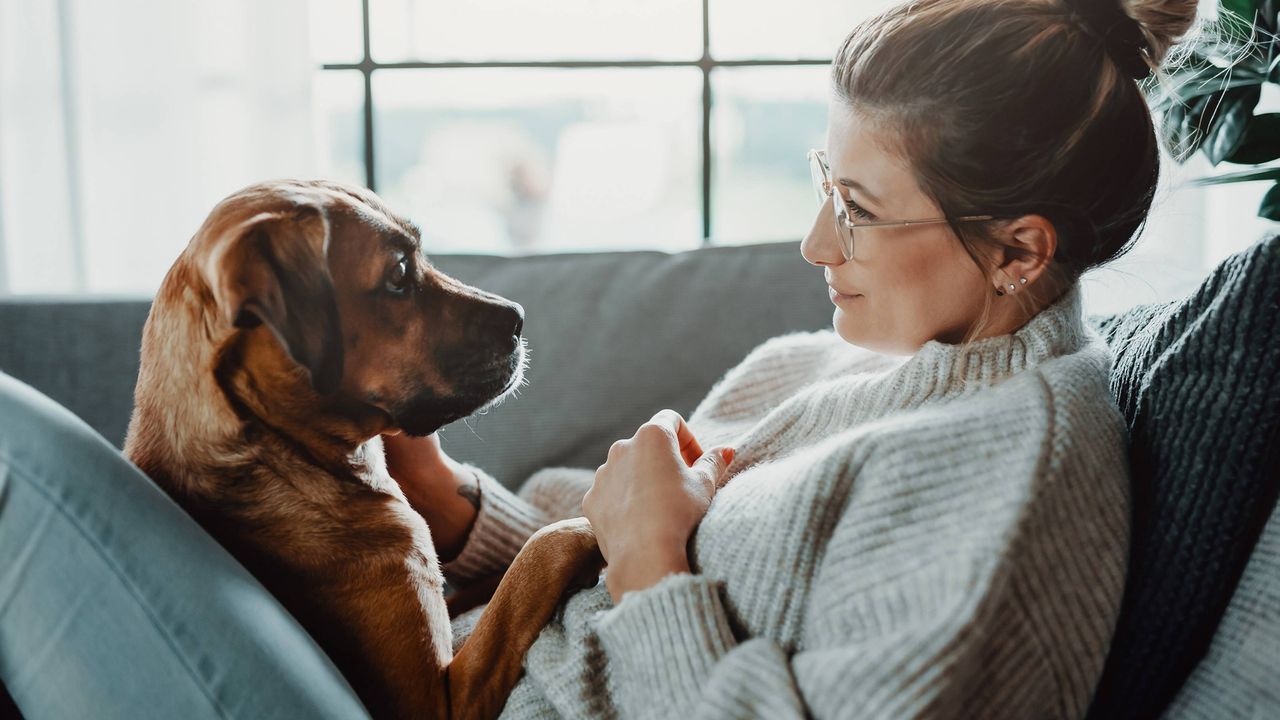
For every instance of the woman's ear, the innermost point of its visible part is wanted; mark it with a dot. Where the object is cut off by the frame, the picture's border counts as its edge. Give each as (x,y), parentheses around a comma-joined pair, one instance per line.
(273,270)
(1030,242)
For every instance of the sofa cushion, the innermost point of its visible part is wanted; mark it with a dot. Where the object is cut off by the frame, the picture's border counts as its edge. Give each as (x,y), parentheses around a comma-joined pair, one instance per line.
(1198,380)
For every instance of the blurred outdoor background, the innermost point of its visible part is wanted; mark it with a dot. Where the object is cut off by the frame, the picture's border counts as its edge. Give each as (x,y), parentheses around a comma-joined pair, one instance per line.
(500,127)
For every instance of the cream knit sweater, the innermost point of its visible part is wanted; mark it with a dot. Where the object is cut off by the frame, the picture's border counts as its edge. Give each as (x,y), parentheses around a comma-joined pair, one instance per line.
(935,535)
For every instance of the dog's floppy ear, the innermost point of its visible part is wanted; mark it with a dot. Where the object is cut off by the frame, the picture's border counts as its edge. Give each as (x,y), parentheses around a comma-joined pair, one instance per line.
(274,272)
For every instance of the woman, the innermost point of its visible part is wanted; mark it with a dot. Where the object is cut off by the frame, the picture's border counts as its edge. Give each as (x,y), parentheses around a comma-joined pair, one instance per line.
(923,511)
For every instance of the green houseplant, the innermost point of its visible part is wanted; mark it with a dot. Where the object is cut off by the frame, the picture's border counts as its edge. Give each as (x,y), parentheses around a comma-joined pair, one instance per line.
(1207,102)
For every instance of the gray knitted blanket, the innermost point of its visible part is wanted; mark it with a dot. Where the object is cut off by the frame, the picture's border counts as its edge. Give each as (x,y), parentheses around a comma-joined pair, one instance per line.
(1198,381)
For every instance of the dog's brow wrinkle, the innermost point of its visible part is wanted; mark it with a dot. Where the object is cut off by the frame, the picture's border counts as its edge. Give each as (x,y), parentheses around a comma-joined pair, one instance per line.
(396,241)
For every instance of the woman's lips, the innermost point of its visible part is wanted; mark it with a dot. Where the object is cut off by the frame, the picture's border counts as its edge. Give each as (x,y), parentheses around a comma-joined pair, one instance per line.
(838,297)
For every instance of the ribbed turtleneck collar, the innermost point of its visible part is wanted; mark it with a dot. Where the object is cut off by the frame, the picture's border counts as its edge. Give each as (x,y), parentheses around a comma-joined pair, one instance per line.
(1056,330)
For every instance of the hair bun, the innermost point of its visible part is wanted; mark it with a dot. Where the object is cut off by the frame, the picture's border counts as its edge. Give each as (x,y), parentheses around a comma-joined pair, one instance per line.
(1120,34)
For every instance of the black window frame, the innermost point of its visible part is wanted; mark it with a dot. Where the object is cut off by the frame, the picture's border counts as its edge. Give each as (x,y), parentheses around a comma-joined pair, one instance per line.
(367,66)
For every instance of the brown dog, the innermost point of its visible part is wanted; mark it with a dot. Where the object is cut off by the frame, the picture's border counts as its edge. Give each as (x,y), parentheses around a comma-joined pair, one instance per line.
(302,322)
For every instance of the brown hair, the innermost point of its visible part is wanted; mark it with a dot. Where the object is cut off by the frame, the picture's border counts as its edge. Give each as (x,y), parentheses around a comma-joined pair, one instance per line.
(1012,107)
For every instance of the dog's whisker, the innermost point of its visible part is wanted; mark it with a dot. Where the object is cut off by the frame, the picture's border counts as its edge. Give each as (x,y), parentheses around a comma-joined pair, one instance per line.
(473,430)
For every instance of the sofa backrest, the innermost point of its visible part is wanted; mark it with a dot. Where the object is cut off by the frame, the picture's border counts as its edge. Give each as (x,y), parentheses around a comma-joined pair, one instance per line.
(82,352)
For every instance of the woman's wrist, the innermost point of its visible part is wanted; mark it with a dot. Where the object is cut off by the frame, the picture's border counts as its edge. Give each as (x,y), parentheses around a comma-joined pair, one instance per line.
(448,498)
(641,570)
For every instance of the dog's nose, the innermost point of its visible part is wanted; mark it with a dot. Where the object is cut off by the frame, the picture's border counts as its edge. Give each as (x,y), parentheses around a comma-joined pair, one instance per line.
(505,323)
(519,311)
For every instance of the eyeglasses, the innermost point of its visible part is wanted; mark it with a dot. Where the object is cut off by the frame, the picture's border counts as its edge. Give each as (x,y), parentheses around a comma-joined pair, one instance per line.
(846,229)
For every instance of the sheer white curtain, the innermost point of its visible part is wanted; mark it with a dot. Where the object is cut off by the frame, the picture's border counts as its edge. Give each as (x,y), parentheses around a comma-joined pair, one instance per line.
(123,122)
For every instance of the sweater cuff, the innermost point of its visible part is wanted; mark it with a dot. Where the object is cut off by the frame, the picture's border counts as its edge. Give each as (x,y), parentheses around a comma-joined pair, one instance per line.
(665,639)
(501,528)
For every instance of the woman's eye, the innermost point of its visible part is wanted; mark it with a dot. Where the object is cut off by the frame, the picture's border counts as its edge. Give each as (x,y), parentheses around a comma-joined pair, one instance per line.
(398,277)
(857,212)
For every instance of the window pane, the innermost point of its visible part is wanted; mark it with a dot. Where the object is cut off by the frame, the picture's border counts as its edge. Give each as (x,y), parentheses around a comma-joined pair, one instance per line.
(771,29)
(338,101)
(764,122)
(336,35)
(519,160)
(521,30)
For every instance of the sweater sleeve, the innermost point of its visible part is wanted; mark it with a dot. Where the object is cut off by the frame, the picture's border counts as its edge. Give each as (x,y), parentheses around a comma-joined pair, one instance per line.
(506,519)
(951,659)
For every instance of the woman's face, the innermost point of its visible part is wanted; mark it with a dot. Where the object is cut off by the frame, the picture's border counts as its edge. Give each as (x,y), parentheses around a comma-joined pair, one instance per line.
(910,284)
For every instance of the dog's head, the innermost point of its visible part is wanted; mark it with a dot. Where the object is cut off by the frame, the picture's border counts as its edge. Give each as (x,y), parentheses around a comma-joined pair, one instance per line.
(339,285)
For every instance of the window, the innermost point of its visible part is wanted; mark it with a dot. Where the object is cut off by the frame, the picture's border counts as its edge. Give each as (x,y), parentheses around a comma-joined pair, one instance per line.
(661,125)
(501,127)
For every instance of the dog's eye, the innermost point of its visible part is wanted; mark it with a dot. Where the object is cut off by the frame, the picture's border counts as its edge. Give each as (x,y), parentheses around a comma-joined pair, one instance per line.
(398,277)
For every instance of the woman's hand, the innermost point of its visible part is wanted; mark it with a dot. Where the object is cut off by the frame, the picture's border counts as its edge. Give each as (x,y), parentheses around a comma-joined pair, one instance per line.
(648,497)
(444,493)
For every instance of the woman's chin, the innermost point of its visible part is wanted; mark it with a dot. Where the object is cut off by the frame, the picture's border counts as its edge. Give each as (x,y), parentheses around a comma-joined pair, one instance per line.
(856,333)
(846,328)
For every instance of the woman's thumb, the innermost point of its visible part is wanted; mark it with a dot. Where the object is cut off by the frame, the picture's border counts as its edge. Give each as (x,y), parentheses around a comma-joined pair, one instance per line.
(716,461)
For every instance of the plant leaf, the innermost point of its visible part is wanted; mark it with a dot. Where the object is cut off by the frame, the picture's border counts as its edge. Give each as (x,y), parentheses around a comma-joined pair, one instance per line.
(1267,11)
(1196,79)
(1171,128)
(1243,9)
(1261,141)
(1270,208)
(1183,124)
(1267,173)
(1228,120)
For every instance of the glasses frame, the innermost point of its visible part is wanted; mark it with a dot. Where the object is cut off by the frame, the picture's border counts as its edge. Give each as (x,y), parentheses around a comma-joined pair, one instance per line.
(845,227)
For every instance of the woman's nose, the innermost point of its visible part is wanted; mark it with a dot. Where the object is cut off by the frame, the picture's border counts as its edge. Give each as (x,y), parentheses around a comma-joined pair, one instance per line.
(820,246)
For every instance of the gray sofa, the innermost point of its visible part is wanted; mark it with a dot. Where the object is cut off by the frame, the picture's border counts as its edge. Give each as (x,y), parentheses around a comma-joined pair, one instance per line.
(615,337)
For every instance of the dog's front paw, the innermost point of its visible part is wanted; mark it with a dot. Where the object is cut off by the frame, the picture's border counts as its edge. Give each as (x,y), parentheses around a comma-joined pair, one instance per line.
(571,532)
(571,546)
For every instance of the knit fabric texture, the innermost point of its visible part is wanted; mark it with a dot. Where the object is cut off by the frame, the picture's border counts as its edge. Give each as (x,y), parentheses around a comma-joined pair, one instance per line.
(942,534)
(1198,381)
(1238,676)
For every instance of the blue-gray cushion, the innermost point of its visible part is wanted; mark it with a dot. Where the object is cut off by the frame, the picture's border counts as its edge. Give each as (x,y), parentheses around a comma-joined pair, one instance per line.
(115,604)
(1198,380)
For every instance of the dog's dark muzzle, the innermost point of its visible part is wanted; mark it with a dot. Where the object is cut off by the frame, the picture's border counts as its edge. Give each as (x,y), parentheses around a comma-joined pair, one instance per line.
(480,368)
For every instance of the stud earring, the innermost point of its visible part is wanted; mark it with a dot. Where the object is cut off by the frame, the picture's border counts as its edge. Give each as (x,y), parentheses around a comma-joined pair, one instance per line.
(1000,292)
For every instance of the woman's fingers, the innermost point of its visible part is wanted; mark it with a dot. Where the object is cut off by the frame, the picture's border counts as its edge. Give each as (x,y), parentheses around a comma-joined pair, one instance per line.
(690,449)
(710,468)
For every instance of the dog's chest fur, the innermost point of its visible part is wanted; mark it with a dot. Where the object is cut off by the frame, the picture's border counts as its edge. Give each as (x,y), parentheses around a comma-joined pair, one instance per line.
(313,537)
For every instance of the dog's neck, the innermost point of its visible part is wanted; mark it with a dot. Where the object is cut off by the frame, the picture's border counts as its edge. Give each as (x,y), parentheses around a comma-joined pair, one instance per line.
(270,393)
